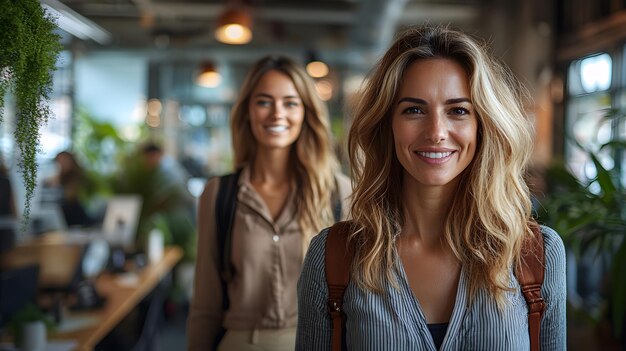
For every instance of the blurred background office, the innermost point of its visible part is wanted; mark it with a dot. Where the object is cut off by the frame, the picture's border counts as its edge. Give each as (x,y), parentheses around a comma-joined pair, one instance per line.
(145,85)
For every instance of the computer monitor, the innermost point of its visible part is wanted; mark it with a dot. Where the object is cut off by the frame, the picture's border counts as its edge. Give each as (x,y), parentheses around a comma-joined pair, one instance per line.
(121,219)
(8,233)
(46,218)
(18,288)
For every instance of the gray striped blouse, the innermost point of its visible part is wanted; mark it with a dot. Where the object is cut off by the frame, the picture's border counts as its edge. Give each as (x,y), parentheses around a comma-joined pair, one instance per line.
(396,322)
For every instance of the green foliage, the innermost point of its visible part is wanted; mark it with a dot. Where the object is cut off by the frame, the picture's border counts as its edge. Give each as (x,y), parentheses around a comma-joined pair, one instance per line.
(29,313)
(116,166)
(177,228)
(28,53)
(100,148)
(592,216)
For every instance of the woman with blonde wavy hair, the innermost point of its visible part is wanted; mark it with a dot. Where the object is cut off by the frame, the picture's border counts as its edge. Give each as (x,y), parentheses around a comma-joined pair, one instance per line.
(288,188)
(438,146)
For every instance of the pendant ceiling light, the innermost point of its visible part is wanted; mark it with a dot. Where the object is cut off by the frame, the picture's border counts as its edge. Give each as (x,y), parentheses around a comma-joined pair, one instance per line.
(208,77)
(315,67)
(234,26)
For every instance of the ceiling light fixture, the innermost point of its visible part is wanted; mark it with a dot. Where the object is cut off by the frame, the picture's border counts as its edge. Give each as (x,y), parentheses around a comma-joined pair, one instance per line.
(234,26)
(208,77)
(315,67)
(324,89)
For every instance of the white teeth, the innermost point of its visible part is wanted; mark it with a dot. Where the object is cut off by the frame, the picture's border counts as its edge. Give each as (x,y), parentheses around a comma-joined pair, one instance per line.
(277,129)
(435,154)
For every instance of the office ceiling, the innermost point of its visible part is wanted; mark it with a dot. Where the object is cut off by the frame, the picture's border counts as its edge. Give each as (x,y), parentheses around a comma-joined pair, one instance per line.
(362,25)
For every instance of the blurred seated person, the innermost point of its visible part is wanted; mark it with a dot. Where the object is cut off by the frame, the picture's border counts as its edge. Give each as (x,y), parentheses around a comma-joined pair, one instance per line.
(155,159)
(73,184)
(168,177)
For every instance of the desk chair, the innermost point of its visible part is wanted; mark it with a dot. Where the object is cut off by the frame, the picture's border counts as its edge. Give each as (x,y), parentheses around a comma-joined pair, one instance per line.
(139,330)
(153,316)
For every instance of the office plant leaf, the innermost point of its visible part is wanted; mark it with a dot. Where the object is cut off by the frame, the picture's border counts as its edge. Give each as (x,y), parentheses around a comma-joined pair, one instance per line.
(28,53)
(592,217)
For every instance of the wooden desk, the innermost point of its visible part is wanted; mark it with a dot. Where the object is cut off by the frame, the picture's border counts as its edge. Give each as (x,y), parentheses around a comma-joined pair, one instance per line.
(121,299)
(56,253)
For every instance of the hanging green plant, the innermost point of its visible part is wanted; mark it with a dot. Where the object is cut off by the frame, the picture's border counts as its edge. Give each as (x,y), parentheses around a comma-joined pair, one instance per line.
(28,52)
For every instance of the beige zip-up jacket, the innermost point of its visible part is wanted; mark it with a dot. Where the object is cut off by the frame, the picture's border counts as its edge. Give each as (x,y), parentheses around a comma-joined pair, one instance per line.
(267,259)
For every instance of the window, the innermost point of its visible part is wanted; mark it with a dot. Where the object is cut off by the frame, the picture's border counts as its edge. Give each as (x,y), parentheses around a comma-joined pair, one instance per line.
(57,134)
(594,89)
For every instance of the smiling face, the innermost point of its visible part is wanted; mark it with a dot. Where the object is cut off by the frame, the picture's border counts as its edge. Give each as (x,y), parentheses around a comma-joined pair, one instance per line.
(434,122)
(276,111)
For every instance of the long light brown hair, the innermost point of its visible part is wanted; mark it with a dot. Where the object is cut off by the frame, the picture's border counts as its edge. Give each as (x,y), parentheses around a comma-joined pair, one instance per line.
(312,158)
(489,217)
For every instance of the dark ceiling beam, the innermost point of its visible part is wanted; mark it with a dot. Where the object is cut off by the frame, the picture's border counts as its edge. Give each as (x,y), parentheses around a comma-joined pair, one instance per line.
(417,13)
(209,12)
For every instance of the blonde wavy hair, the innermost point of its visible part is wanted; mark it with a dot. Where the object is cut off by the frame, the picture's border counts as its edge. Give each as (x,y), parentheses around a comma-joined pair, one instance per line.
(489,217)
(312,158)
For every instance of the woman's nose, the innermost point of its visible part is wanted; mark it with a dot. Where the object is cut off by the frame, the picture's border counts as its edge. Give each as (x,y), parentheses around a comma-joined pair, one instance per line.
(279,110)
(437,129)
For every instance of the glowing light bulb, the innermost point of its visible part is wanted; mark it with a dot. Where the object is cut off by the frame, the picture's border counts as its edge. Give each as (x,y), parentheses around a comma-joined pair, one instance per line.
(317,69)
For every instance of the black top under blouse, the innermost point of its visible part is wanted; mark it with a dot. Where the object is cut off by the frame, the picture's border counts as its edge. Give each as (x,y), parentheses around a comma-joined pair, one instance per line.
(438,332)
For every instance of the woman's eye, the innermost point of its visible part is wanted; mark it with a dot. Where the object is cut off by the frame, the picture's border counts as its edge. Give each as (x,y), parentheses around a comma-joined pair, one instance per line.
(263,102)
(460,111)
(413,110)
(291,104)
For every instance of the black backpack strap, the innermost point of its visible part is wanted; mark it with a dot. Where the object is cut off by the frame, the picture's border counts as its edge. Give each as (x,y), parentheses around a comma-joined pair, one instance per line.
(530,274)
(225,206)
(337,210)
(335,199)
(338,262)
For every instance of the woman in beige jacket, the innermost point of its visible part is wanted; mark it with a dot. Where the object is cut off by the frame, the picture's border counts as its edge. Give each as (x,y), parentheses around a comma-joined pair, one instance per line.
(287,189)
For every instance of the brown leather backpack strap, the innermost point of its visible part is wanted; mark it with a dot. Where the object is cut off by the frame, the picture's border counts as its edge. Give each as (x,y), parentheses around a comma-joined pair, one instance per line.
(338,263)
(530,274)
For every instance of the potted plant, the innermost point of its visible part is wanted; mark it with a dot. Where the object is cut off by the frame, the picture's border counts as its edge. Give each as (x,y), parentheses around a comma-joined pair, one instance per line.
(591,218)
(29,324)
(28,53)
